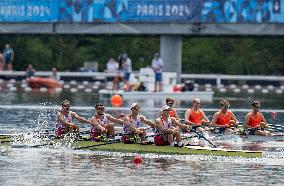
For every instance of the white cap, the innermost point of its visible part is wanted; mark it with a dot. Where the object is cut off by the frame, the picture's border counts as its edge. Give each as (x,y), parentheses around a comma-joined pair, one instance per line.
(166,107)
(134,105)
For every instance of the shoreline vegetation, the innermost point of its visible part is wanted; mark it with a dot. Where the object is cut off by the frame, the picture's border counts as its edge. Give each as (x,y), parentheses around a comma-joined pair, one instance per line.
(201,55)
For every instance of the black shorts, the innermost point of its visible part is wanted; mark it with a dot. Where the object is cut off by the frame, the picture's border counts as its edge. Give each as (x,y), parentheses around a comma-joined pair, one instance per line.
(220,130)
(252,131)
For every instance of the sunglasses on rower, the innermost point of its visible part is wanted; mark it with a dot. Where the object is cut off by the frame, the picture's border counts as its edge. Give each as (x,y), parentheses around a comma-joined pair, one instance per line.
(136,108)
(225,106)
(101,108)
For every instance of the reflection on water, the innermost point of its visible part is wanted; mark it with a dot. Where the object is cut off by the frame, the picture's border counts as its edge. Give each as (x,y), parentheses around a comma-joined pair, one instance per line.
(54,167)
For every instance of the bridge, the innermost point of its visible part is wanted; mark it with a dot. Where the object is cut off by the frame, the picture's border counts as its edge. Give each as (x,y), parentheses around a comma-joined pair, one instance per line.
(171,20)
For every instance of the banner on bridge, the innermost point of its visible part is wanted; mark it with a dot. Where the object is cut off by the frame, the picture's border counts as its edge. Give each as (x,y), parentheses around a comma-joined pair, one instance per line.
(139,11)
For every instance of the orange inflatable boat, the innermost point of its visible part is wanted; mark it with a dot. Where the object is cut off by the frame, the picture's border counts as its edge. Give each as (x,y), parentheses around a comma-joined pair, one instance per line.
(38,82)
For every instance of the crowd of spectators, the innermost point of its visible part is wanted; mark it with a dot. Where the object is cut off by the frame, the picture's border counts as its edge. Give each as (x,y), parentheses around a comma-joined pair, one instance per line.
(123,68)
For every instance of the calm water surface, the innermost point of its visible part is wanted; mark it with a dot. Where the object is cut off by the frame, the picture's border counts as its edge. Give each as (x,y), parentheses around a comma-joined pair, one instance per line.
(63,166)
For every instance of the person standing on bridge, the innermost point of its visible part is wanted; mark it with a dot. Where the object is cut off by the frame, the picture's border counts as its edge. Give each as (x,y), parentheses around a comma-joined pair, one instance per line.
(64,122)
(9,56)
(157,65)
(126,67)
(30,72)
(2,62)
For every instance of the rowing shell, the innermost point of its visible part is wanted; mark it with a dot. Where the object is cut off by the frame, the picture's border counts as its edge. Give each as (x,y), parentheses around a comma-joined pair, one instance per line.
(137,148)
(187,150)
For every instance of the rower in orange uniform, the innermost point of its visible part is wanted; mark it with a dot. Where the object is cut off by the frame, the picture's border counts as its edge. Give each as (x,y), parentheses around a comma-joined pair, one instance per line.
(103,123)
(64,122)
(195,117)
(173,113)
(167,129)
(224,119)
(255,121)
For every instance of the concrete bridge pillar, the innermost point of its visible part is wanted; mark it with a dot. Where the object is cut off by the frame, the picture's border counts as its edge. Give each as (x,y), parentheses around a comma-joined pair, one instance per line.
(171,53)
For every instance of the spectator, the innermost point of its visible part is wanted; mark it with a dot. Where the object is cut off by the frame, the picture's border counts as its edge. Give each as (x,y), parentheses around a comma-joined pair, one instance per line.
(30,72)
(126,69)
(157,66)
(141,87)
(112,65)
(2,62)
(54,74)
(9,56)
(188,86)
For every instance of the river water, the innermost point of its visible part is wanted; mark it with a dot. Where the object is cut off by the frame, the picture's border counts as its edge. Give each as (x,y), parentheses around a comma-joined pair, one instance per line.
(21,112)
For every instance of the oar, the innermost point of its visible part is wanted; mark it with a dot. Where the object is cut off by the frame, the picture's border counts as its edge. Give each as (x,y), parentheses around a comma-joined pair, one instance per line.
(200,135)
(5,137)
(96,145)
(30,146)
(277,128)
(7,141)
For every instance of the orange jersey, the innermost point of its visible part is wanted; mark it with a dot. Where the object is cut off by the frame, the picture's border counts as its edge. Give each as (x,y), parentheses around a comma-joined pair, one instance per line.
(224,119)
(254,120)
(195,117)
(172,112)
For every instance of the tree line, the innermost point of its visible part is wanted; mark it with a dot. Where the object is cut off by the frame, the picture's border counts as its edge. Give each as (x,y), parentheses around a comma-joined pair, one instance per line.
(201,55)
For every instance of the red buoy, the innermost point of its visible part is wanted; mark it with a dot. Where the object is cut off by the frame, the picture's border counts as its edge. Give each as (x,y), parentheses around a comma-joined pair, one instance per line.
(137,159)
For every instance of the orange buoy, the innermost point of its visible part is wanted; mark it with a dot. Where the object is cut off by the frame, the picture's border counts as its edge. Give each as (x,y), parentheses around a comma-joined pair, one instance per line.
(116,100)
(273,115)
(137,159)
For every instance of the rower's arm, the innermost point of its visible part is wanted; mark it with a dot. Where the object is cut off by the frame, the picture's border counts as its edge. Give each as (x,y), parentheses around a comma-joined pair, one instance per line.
(181,126)
(123,121)
(263,120)
(204,117)
(115,120)
(159,114)
(94,122)
(79,118)
(246,120)
(214,120)
(147,121)
(235,120)
(176,115)
(61,119)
